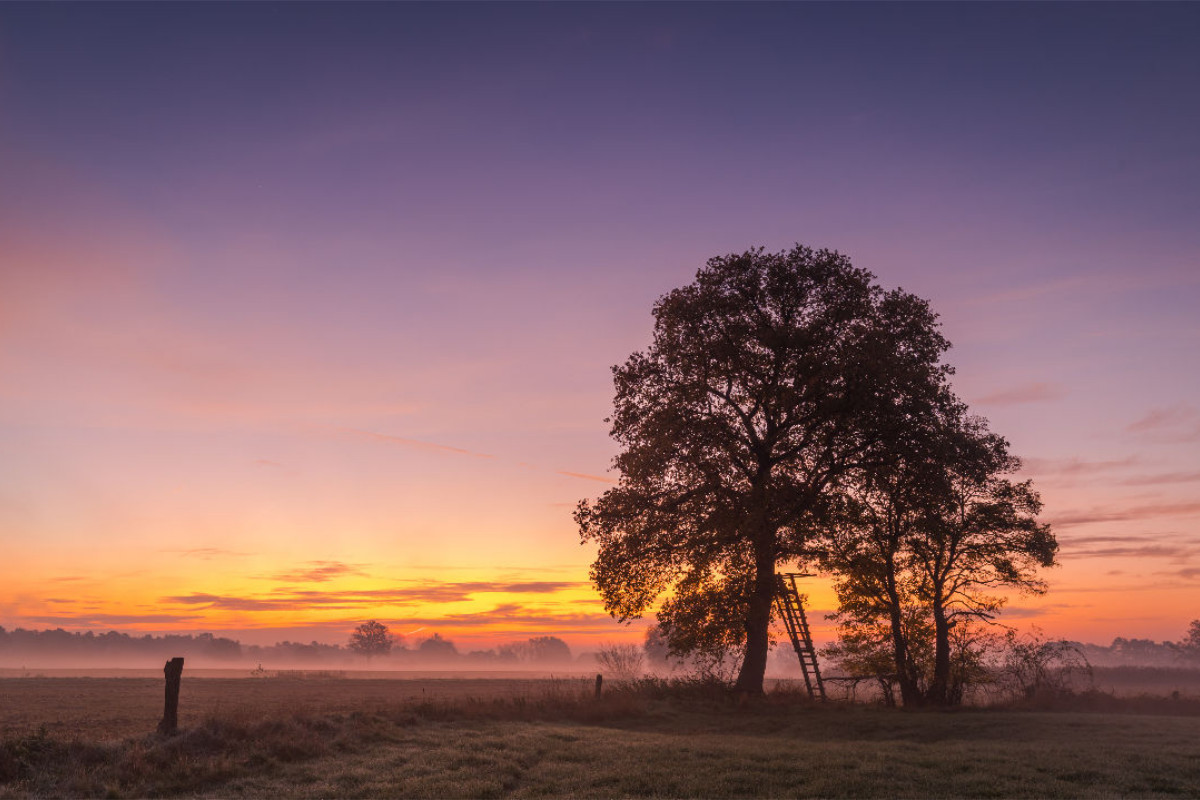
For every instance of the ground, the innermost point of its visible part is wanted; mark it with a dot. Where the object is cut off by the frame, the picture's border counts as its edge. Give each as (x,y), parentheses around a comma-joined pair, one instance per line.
(334,737)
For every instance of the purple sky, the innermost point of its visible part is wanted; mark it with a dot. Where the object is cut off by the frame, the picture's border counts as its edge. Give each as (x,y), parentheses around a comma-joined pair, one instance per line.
(253,255)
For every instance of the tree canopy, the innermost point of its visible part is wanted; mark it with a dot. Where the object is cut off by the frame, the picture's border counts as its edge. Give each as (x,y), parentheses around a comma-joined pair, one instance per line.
(922,542)
(769,379)
(371,639)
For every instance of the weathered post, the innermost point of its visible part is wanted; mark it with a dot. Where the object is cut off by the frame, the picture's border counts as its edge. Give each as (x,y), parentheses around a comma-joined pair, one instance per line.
(599,683)
(173,670)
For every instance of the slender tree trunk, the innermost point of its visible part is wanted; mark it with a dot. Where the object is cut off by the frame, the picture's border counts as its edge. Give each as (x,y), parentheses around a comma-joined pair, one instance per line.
(758,616)
(910,693)
(939,688)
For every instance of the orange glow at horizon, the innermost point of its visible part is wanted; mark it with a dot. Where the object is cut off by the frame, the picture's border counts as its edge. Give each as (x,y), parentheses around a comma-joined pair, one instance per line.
(337,355)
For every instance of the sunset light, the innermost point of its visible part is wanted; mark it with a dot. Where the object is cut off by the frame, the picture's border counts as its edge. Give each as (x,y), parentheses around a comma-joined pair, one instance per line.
(308,312)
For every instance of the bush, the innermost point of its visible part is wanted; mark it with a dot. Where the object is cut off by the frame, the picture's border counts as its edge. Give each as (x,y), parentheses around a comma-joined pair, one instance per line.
(621,662)
(1033,666)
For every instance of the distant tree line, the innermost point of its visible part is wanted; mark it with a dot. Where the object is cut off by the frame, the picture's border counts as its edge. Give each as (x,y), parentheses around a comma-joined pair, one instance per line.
(63,648)
(1147,652)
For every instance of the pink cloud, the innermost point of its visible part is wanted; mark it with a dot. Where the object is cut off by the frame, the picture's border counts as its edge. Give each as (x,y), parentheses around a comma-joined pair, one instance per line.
(585,476)
(1071,518)
(416,444)
(1025,393)
(1177,423)
(1074,466)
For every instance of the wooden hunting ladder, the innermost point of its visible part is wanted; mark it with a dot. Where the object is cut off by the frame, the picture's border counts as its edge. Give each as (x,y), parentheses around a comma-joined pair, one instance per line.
(791,608)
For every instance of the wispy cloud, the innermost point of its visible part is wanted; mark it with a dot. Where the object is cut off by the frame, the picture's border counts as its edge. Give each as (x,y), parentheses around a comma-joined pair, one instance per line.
(1025,393)
(514,616)
(413,594)
(1158,418)
(415,444)
(1148,511)
(319,572)
(1177,423)
(1028,612)
(585,476)
(1178,549)
(1162,478)
(87,620)
(208,553)
(1074,467)
(1132,551)
(1024,293)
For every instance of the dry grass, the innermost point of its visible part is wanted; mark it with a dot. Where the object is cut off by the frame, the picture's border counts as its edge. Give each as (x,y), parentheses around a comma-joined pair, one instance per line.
(555,739)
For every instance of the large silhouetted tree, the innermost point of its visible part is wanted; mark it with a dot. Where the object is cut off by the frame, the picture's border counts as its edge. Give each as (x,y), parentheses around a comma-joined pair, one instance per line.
(768,379)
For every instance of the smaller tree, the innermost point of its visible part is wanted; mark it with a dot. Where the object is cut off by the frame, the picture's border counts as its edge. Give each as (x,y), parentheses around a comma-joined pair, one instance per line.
(435,647)
(1192,641)
(371,639)
(538,650)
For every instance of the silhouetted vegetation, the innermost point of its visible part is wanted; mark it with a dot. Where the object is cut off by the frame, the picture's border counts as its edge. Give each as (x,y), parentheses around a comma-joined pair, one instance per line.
(371,639)
(789,410)
(64,649)
(769,379)
(920,540)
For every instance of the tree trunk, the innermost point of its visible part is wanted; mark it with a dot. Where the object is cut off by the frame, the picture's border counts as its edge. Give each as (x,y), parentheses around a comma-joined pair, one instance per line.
(758,618)
(939,687)
(910,692)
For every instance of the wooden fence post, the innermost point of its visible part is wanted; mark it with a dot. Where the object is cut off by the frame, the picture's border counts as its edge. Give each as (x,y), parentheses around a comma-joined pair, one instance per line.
(173,670)
(599,683)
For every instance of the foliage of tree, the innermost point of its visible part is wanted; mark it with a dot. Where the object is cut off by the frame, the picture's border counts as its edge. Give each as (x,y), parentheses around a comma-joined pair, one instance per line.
(769,379)
(371,639)
(435,647)
(1191,642)
(926,538)
(537,650)
(59,646)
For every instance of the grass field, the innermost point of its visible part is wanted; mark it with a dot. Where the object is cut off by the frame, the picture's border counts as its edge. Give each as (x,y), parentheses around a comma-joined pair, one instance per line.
(537,738)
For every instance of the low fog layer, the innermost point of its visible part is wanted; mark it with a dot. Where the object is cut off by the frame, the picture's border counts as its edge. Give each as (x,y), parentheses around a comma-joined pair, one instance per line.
(64,650)
(24,650)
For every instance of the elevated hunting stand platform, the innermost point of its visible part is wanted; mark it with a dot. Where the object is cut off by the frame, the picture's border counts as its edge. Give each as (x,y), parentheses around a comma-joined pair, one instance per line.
(791,608)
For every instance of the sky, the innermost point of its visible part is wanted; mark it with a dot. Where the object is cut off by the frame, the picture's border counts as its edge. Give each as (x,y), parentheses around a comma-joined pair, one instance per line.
(307,311)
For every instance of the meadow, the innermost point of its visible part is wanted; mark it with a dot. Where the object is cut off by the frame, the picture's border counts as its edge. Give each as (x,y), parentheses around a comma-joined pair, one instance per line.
(327,736)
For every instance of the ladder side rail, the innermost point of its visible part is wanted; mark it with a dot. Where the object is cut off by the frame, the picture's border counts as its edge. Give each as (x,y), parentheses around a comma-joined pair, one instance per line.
(806,636)
(812,653)
(797,627)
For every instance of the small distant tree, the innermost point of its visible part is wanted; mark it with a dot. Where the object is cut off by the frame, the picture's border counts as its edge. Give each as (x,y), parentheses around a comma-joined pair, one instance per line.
(371,639)
(544,649)
(1190,646)
(1192,640)
(538,649)
(436,647)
